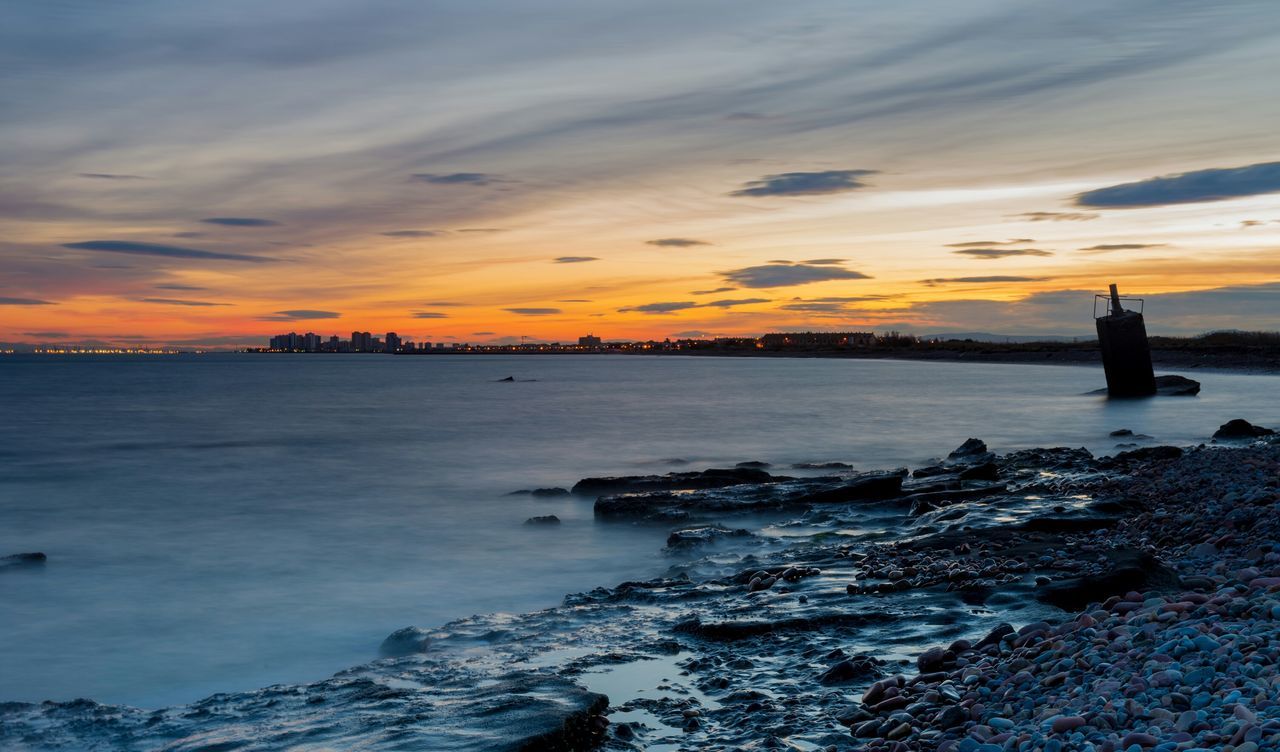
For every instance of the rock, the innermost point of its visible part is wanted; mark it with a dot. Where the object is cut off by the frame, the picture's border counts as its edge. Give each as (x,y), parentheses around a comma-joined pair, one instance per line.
(694,537)
(509,378)
(951,717)
(712,478)
(857,668)
(34,558)
(547,519)
(1064,723)
(1145,454)
(1238,429)
(985,471)
(933,659)
(1176,386)
(753,464)
(970,450)
(545,492)
(1125,570)
(822,466)
(406,641)
(1121,432)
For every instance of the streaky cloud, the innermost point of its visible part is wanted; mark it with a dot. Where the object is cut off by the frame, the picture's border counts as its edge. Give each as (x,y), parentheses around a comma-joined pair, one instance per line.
(805,183)
(999,253)
(980,280)
(301,314)
(575,259)
(456,178)
(1043,216)
(713,292)
(430,315)
(413,233)
(732,302)
(162,251)
(1199,186)
(240,221)
(676,242)
(990,243)
(110,176)
(533,311)
(1110,247)
(660,308)
(177,302)
(186,288)
(25,302)
(786,274)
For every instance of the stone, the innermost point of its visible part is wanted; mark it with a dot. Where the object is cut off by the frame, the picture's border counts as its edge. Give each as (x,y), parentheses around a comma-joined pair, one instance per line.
(546,519)
(1239,429)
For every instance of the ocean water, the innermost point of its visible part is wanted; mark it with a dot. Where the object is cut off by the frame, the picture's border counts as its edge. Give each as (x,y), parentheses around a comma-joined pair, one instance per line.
(224,522)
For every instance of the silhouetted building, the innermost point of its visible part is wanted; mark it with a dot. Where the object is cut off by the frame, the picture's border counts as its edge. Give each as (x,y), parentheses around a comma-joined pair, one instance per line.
(590,340)
(392,343)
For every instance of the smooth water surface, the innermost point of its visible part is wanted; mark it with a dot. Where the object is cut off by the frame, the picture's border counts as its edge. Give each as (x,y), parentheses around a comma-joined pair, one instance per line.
(222,522)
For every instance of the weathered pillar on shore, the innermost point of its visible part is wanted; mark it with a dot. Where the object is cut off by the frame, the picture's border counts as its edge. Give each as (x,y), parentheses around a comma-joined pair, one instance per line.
(1126,356)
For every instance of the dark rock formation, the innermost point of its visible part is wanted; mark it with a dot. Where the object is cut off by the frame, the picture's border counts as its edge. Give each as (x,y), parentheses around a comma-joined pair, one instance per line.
(405,641)
(541,492)
(547,519)
(1176,386)
(34,558)
(712,478)
(694,537)
(1240,429)
(1127,570)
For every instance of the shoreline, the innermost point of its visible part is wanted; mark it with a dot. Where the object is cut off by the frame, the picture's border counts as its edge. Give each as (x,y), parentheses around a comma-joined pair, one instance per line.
(1055,581)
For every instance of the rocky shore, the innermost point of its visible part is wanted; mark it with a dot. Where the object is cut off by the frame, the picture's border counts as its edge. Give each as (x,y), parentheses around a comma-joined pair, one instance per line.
(1044,599)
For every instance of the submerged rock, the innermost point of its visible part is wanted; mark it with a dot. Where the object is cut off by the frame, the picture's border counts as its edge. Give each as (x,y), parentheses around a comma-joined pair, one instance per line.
(1124,570)
(1176,386)
(776,495)
(546,519)
(34,558)
(694,537)
(405,641)
(541,492)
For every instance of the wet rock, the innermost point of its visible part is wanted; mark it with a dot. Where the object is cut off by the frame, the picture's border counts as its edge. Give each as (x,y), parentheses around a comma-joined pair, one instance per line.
(753,464)
(856,668)
(777,495)
(1145,454)
(1176,386)
(712,478)
(985,471)
(1240,429)
(1123,570)
(971,452)
(695,537)
(406,641)
(822,466)
(1121,432)
(546,519)
(541,492)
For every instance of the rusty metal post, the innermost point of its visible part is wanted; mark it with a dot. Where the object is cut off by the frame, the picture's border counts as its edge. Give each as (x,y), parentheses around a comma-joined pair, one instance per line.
(1126,356)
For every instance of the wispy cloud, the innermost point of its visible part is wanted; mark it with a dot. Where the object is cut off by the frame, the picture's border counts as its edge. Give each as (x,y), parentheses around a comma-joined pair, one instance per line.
(413,233)
(713,292)
(733,302)
(1217,184)
(240,221)
(300,314)
(660,308)
(980,280)
(999,253)
(676,242)
(177,302)
(805,183)
(110,176)
(533,311)
(1110,247)
(1043,216)
(430,315)
(575,259)
(174,286)
(457,178)
(990,243)
(786,274)
(24,302)
(163,251)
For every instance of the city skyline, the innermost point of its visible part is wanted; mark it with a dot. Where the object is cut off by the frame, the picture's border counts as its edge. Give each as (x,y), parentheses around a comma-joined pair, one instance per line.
(190,176)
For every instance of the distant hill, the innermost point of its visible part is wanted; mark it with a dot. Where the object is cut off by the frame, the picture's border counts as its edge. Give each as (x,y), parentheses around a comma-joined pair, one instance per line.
(1013,338)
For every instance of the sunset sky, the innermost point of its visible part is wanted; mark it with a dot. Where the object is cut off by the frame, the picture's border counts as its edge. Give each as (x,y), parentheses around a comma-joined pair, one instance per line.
(480,170)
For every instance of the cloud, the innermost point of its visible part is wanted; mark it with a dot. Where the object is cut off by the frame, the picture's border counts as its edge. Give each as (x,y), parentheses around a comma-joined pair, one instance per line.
(302,314)
(240,221)
(805,183)
(1109,247)
(997,253)
(187,288)
(712,292)
(533,311)
(165,251)
(456,178)
(110,176)
(174,301)
(430,315)
(24,302)
(692,333)
(1217,184)
(818,262)
(482,229)
(51,335)
(785,274)
(413,233)
(190,234)
(676,242)
(575,300)
(575,259)
(481,334)
(730,303)
(990,243)
(659,308)
(1042,216)
(443,304)
(980,280)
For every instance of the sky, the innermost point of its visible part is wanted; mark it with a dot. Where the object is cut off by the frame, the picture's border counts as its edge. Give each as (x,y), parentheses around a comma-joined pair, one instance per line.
(211,174)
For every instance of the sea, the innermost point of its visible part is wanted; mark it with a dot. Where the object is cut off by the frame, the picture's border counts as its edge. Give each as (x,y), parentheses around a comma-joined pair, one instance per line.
(222,522)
